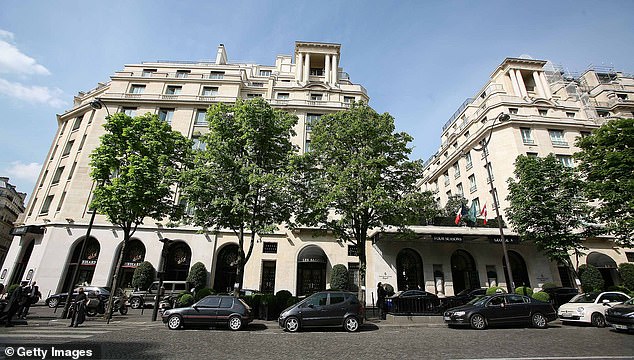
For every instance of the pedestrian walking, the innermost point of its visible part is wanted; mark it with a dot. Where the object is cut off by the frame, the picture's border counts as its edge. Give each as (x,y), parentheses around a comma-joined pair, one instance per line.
(32,297)
(24,297)
(12,306)
(79,315)
(380,295)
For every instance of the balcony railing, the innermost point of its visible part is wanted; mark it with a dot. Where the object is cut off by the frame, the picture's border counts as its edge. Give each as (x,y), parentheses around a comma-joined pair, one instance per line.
(559,142)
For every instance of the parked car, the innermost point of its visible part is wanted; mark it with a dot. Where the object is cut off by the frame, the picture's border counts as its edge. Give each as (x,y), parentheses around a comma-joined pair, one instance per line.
(501,309)
(412,301)
(208,311)
(621,317)
(560,295)
(324,309)
(139,299)
(461,298)
(91,291)
(590,307)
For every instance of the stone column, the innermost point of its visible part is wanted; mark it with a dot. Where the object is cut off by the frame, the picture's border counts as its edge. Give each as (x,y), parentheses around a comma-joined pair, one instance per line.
(327,76)
(335,69)
(516,87)
(538,85)
(520,82)
(307,68)
(545,85)
(299,64)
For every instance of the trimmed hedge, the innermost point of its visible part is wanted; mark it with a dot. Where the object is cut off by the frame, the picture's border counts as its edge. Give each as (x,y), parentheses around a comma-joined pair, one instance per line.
(339,277)
(541,296)
(203,292)
(197,275)
(626,270)
(591,279)
(186,300)
(524,290)
(143,276)
(495,290)
(549,285)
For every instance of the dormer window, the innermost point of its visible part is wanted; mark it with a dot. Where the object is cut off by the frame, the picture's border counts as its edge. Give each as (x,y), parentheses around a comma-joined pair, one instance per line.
(265,72)
(316,97)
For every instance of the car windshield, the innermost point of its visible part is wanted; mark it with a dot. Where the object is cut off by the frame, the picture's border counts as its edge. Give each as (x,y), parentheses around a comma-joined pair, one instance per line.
(479,301)
(585,298)
(629,302)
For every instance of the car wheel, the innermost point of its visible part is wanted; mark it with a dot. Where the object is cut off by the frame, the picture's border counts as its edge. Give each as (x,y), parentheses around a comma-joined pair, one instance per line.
(539,321)
(135,303)
(174,322)
(235,323)
(478,322)
(291,324)
(351,324)
(597,320)
(52,303)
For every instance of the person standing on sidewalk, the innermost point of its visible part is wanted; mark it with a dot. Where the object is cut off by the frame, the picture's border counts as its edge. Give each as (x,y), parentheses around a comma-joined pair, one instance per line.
(79,315)
(32,297)
(380,296)
(12,306)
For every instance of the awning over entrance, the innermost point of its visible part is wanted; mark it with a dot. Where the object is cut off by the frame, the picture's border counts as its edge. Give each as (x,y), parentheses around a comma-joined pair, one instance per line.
(599,260)
(312,254)
(22,230)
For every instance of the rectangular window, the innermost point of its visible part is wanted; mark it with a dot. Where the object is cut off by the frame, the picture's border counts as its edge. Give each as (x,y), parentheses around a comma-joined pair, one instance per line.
(448,193)
(61,201)
(265,72)
(494,195)
(267,286)
(43,177)
(32,207)
(513,111)
(46,205)
(472,184)
(137,89)
(81,144)
(316,71)
(348,99)
(210,91)
(311,119)
(54,151)
(197,144)
(252,96)
(72,170)
(630,256)
(77,122)
(352,250)
(621,96)
(57,175)
(467,156)
(68,148)
(542,112)
(148,72)
(129,111)
(201,117)
(217,75)
(566,160)
(459,189)
(316,97)
(446,176)
(603,113)
(257,84)
(269,247)
(353,277)
(456,170)
(181,74)
(173,90)
(489,171)
(527,136)
(476,202)
(166,115)
(531,154)
(283,96)
(570,115)
(557,138)
(307,146)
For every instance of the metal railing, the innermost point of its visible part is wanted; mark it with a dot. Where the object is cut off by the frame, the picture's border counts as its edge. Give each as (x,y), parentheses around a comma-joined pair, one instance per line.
(420,306)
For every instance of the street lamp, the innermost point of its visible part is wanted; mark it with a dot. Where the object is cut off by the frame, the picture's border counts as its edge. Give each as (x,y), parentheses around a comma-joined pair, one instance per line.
(95,104)
(502,117)
(166,245)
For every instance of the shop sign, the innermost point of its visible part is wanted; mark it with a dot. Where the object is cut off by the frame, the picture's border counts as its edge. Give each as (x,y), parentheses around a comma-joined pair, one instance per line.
(130,264)
(312,260)
(89,262)
(447,238)
(507,239)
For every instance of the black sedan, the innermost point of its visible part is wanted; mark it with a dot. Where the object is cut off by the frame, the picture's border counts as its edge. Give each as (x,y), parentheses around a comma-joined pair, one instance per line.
(210,310)
(621,317)
(502,309)
(412,302)
(56,300)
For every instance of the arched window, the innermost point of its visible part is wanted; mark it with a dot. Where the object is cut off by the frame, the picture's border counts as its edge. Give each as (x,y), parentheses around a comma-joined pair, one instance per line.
(311,270)
(87,263)
(409,268)
(177,261)
(226,268)
(520,272)
(464,272)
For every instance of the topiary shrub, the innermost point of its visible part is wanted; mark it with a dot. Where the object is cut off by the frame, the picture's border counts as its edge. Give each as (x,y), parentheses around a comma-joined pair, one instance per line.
(291,301)
(524,290)
(541,296)
(203,292)
(185,300)
(495,290)
(591,279)
(198,275)
(339,277)
(626,270)
(281,298)
(389,289)
(549,285)
(620,288)
(143,276)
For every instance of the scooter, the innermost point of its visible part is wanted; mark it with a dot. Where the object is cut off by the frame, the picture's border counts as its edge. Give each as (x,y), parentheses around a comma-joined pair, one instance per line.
(93,308)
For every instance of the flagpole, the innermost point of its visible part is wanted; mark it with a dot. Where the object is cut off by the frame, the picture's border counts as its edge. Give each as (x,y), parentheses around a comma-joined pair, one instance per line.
(502,117)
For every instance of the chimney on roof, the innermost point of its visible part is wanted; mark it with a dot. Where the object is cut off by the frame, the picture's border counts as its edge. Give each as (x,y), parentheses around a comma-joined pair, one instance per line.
(221,55)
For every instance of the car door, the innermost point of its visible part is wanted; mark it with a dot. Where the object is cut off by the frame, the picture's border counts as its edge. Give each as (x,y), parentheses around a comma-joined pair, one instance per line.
(203,312)
(312,312)
(335,310)
(517,309)
(611,299)
(494,310)
(225,309)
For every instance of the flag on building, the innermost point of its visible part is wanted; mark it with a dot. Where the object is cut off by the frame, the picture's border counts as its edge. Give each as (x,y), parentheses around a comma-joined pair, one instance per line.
(472,215)
(483,213)
(462,212)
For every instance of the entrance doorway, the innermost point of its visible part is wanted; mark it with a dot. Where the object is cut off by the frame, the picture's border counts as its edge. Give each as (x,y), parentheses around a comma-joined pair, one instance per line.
(20,267)
(86,265)
(177,263)
(226,269)
(311,270)
(464,272)
(606,266)
(133,256)
(518,267)
(409,270)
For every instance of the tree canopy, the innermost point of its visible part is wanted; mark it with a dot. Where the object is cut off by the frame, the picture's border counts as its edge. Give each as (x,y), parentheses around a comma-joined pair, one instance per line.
(606,161)
(357,176)
(240,179)
(546,207)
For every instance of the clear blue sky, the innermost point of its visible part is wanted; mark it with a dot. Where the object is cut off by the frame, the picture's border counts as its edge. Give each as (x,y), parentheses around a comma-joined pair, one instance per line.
(418,60)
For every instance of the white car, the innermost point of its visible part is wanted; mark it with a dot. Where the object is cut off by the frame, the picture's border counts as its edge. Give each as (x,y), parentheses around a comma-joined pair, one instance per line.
(590,307)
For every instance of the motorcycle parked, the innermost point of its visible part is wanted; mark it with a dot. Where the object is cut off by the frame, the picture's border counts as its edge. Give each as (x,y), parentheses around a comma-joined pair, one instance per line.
(98,306)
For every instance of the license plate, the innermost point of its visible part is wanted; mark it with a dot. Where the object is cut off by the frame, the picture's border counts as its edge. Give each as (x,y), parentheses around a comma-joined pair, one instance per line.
(447,318)
(621,327)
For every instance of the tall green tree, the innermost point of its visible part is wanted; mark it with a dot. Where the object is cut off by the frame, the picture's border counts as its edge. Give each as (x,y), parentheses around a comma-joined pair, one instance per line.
(240,180)
(136,167)
(606,160)
(546,207)
(357,176)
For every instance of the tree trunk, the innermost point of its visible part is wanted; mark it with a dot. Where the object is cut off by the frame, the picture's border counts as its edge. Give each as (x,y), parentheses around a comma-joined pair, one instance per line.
(115,276)
(240,266)
(362,268)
